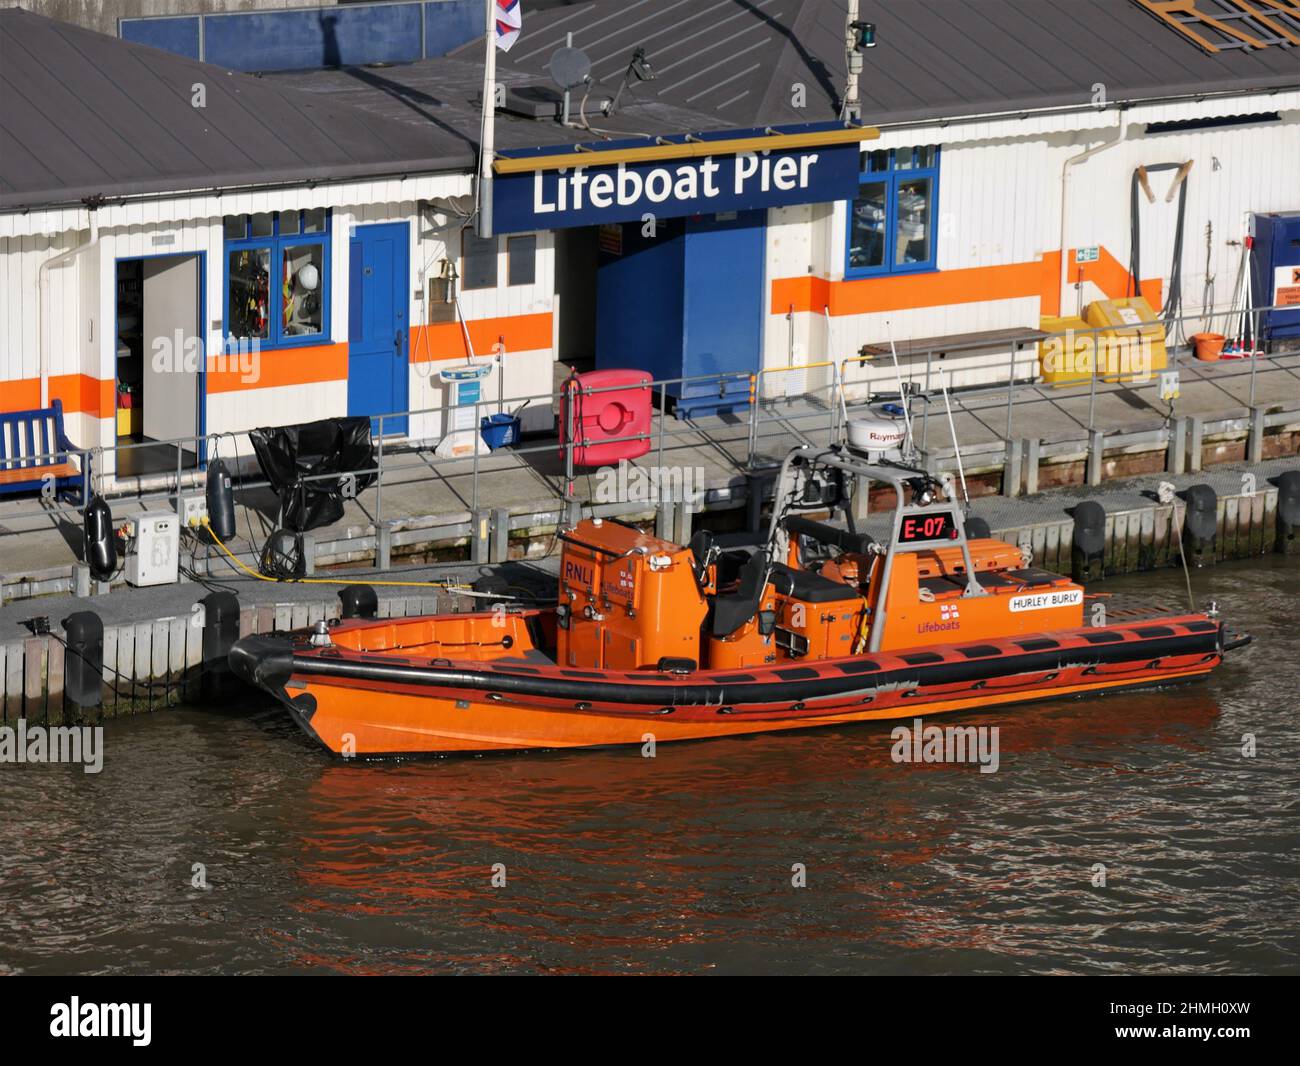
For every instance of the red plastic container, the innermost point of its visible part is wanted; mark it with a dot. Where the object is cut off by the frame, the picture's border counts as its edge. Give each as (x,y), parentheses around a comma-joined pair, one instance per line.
(620,408)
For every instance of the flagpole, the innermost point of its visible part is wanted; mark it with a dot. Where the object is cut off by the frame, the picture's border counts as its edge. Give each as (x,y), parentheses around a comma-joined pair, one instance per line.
(488,127)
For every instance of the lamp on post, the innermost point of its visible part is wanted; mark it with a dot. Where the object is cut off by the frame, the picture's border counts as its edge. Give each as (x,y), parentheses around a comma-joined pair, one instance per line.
(858,37)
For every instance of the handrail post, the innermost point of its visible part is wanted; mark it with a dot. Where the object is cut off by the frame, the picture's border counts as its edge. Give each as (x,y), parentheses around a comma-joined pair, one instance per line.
(474,440)
(570,391)
(1011,384)
(755,398)
(1092,384)
(925,413)
(663,414)
(379,476)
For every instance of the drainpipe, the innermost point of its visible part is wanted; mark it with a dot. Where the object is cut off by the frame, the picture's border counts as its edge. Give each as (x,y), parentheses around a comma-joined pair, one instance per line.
(43,283)
(1065,199)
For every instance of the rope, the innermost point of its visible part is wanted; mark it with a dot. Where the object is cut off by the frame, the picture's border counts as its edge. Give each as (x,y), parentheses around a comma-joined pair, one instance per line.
(148,686)
(448,585)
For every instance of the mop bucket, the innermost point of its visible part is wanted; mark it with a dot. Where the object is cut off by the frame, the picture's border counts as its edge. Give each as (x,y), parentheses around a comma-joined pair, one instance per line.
(1208,346)
(499,430)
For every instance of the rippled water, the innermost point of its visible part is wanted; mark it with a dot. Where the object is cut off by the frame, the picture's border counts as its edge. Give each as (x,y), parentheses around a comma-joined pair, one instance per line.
(683,863)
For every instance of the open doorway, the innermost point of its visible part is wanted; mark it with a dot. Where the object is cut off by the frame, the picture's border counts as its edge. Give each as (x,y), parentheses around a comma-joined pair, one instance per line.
(577,257)
(159,361)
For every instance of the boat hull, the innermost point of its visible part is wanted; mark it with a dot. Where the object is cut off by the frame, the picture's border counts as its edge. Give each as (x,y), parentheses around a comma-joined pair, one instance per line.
(366,705)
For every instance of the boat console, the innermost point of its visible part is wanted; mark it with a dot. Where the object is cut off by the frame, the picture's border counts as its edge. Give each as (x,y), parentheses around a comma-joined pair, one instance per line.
(631,601)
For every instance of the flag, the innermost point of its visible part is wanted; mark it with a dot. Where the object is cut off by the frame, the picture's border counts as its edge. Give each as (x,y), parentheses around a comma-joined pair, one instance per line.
(509,23)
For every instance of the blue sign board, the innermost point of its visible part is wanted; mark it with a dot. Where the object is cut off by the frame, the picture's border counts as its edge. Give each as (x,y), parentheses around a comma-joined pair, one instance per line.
(591,194)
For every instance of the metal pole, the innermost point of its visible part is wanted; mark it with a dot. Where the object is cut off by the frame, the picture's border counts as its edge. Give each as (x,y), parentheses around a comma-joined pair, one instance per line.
(474,426)
(1254,358)
(755,398)
(379,475)
(488,125)
(663,410)
(1092,383)
(925,414)
(570,389)
(1011,384)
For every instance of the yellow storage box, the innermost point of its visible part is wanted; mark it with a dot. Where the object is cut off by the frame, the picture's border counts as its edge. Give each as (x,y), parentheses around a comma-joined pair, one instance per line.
(1133,348)
(1069,355)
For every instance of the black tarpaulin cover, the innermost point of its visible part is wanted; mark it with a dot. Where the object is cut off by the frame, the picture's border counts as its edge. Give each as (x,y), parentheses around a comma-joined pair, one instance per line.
(288,454)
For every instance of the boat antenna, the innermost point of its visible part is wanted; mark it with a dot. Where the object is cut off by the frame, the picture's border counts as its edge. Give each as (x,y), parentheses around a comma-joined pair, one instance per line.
(1165,495)
(961,470)
(909,448)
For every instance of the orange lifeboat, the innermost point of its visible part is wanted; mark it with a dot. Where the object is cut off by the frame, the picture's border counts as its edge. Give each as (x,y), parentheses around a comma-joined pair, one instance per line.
(680,642)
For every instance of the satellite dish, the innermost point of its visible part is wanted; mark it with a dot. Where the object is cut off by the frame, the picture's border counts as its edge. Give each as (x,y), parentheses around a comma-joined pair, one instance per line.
(570,67)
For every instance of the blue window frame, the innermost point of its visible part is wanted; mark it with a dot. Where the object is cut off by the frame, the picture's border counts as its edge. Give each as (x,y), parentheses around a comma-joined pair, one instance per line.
(891,222)
(277,274)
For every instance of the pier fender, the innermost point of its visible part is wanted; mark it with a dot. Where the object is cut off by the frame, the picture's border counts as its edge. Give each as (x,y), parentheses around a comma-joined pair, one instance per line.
(1088,547)
(220,632)
(101,548)
(359,601)
(1288,511)
(1200,521)
(83,665)
(220,498)
(977,528)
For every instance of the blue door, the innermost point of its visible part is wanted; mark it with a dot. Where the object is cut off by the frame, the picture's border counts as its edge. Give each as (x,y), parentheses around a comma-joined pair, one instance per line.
(722,311)
(377,337)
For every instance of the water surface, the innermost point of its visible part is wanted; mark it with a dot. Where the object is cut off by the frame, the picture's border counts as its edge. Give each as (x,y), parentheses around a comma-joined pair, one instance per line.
(683,863)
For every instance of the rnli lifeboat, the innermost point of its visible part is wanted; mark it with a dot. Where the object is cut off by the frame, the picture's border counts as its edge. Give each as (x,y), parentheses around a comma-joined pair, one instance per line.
(820,626)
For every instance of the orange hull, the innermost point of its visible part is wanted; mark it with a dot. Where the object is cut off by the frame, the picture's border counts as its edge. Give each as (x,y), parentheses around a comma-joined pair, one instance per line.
(364,704)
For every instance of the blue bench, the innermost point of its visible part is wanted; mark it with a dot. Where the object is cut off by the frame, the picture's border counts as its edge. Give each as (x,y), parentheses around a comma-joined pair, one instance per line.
(35,452)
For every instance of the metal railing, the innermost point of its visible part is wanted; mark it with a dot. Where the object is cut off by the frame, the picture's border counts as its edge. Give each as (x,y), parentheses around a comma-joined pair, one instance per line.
(807,407)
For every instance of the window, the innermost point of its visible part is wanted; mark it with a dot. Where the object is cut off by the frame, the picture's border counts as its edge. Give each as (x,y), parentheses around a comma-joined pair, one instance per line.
(891,221)
(277,277)
(478,268)
(521,260)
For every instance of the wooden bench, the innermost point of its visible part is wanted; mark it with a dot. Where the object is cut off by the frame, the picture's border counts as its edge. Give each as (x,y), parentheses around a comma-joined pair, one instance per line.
(915,350)
(34,452)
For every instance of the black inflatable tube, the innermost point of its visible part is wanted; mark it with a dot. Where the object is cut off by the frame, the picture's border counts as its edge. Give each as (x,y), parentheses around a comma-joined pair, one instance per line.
(266,664)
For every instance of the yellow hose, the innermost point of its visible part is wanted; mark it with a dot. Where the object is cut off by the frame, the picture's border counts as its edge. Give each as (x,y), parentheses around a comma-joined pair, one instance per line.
(206,524)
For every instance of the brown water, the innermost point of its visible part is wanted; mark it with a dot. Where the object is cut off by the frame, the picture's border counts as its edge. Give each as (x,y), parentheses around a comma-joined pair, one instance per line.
(683,863)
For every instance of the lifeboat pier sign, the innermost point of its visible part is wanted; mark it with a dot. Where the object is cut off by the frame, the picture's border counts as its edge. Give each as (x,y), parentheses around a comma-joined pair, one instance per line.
(691,177)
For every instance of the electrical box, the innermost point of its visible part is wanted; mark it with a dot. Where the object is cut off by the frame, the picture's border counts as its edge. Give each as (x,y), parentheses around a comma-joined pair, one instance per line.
(154,555)
(192,510)
(1275,273)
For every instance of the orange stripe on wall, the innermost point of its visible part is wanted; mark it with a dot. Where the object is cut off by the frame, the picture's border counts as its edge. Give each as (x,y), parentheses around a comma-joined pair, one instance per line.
(278,367)
(79,393)
(1038,278)
(446,340)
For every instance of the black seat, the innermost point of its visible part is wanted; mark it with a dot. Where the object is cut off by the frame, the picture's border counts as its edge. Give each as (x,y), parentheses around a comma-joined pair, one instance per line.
(733,611)
(730,563)
(809,587)
(831,536)
(702,549)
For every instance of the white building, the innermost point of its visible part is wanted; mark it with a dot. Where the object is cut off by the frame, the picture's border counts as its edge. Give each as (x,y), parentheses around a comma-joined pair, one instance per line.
(319,216)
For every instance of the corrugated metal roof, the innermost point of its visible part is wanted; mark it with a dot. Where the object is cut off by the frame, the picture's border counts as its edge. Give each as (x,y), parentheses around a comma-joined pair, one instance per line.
(94,114)
(740,60)
(82,114)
